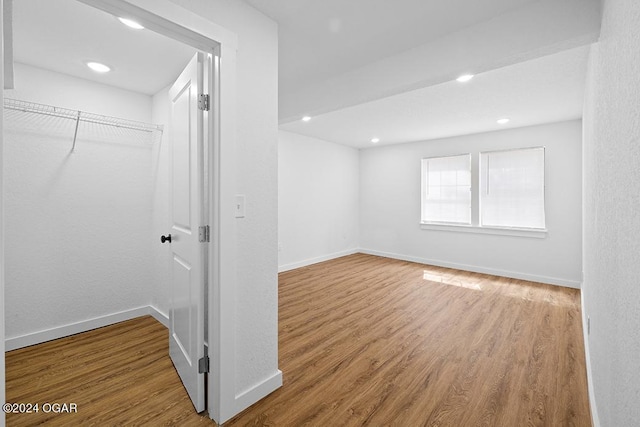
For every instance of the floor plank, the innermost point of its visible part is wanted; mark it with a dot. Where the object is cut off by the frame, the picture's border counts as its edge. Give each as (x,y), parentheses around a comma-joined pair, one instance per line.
(363,340)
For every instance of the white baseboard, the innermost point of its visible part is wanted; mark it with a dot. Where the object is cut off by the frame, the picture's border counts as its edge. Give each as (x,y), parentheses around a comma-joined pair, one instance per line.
(82,326)
(310,261)
(592,396)
(259,391)
(159,316)
(478,269)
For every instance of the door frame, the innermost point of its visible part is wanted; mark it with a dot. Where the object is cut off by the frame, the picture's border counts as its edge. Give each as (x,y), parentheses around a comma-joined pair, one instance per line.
(178,23)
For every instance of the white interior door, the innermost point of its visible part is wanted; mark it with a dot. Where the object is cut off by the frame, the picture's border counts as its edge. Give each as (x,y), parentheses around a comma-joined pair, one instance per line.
(186,315)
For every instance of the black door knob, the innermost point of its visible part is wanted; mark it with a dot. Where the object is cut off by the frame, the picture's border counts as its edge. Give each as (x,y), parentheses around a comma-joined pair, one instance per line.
(166,238)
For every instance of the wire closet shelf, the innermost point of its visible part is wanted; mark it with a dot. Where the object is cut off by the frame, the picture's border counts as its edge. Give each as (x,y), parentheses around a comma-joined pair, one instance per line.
(79,116)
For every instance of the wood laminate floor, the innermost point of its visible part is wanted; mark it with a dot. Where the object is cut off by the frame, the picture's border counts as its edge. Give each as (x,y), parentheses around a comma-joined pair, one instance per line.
(116,375)
(363,341)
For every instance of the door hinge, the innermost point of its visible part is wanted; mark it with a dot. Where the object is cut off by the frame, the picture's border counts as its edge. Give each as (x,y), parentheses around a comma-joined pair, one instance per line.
(203,102)
(203,365)
(203,234)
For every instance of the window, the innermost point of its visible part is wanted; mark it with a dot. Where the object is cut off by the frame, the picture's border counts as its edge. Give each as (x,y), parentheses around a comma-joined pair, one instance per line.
(446,189)
(512,188)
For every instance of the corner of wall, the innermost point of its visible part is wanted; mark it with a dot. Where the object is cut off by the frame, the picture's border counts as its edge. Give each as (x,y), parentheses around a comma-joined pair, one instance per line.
(258,391)
(322,223)
(587,133)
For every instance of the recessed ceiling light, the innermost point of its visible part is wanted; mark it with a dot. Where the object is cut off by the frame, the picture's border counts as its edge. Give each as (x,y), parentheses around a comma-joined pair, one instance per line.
(306,118)
(98,67)
(502,121)
(375,140)
(131,23)
(465,78)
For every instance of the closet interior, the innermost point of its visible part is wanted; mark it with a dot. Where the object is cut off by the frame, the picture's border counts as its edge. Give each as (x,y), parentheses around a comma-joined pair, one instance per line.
(86,174)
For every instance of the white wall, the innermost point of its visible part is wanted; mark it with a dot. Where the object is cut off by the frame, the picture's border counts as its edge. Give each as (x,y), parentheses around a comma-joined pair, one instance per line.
(318,192)
(51,88)
(77,230)
(390,208)
(611,291)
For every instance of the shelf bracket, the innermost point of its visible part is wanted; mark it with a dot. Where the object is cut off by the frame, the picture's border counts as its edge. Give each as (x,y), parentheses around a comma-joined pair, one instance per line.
(75,133)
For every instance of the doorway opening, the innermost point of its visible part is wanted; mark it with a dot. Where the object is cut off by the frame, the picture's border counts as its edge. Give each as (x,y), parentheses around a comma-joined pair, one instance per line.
(83,248)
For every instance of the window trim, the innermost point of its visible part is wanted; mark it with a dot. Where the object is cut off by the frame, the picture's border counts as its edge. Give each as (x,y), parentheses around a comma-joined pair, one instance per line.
(539,233)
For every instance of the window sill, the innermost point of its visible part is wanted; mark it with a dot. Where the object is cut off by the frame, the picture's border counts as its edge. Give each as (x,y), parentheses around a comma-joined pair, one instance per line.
(538,233)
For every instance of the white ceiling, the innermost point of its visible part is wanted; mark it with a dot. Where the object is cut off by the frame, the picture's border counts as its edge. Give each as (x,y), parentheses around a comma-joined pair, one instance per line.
(322,45)
(543,90)
(61,35)
(321,41)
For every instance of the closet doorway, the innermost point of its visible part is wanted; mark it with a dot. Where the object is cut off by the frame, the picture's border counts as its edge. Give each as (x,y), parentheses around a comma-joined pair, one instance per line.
(91,186)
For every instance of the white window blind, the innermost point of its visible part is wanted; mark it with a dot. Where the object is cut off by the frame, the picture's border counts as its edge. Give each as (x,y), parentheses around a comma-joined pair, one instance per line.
(512,188)
(446,189)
